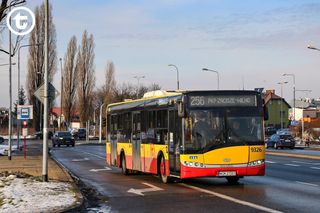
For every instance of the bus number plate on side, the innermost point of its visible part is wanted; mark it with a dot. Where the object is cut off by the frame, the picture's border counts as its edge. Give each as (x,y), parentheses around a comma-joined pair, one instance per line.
(227,173)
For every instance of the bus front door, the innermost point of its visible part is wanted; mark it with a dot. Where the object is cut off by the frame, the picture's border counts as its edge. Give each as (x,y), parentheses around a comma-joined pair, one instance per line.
(136,140)
(174,142)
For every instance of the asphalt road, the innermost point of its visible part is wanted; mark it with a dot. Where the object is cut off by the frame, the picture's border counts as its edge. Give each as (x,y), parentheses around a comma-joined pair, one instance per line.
(290,185)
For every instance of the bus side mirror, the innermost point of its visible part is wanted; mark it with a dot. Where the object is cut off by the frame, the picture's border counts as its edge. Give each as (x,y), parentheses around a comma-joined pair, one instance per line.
(181,110)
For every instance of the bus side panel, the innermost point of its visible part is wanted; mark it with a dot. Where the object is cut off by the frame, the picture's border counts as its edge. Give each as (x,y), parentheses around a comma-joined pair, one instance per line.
(127,148)
(151,155)
(108,153)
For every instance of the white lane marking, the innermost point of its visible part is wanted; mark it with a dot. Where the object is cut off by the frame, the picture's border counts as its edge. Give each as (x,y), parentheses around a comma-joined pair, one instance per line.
(267,161)
(92,154)
(314,167)
(226,197)
(302,162)
(308,184)
(141,191)
(98,170)
(80,159)
(289,164)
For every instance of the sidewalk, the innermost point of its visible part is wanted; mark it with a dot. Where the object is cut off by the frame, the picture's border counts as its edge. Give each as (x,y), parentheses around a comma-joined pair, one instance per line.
(32,165)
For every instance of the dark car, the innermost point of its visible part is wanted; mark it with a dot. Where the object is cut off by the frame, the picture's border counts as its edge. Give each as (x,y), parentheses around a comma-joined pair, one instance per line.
(81,133)
(39,135)
(270,131)
(281,140)
(62,138)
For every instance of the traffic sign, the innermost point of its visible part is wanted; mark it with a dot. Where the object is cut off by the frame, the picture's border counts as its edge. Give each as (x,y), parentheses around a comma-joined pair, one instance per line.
(52,93)
(24,112)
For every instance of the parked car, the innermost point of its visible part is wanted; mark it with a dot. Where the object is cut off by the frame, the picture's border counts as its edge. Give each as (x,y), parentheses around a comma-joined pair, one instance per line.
(62,138)
(281,140)
(39,135)
(80,133)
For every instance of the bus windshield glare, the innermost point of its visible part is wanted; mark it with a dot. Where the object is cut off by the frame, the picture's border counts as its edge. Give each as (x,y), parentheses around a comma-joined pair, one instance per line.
(207,130)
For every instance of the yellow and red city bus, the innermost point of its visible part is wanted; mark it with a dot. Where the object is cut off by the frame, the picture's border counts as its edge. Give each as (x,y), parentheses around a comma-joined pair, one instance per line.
(188,134)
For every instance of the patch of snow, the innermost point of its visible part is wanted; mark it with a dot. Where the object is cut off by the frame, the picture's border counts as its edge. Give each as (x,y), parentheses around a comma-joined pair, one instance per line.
(4,149)
(29,195)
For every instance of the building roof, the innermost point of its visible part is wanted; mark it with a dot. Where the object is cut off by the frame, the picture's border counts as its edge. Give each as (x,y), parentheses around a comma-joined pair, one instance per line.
(56,110)
(271,95)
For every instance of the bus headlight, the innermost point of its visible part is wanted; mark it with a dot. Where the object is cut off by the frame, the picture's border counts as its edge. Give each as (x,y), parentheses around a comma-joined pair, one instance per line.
(256,163)
(193,164)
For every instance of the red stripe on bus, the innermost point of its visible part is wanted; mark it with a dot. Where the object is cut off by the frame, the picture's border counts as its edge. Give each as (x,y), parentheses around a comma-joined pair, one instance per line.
(190,172)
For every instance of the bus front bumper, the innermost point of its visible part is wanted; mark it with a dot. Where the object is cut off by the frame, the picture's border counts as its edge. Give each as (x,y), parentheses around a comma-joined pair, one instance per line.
(193,172)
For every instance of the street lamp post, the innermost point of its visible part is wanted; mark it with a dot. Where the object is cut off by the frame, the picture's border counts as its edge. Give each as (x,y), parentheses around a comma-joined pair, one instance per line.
(45,105)
(138,79)
(61,96)
(100,123)
(172,65)
(281,114)
(10,92)
(294,93)
(209,70)
(19,87)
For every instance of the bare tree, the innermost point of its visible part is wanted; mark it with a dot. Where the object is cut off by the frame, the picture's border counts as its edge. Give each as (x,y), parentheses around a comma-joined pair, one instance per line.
(86,77)
(69,84)
(110,83)
(35,76)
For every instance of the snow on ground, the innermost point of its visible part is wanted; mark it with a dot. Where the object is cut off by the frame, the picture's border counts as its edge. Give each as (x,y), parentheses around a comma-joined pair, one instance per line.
(4,149)
(30,195)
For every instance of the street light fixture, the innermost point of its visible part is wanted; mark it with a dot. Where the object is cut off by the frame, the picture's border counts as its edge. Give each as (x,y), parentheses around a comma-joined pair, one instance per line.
(313,48)
(172,65)
(294,93)
(281,114)
(209,70)
(7,64)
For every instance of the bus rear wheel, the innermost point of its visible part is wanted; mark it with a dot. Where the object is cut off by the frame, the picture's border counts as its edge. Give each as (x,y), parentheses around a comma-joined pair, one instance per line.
(124,169)
(162,171)
(233,180)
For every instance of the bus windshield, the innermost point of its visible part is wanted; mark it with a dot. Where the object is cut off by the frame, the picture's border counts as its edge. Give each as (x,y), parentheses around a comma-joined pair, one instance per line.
(207,130)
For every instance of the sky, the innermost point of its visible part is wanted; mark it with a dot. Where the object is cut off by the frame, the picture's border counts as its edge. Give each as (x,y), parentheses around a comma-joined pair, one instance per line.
(251,43)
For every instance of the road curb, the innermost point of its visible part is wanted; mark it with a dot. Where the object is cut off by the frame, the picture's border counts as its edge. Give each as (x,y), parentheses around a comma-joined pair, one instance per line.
(78,205)
(314,157)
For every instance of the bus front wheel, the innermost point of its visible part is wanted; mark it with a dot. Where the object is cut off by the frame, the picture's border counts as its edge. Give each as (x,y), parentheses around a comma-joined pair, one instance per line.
(124,169)
(233,180)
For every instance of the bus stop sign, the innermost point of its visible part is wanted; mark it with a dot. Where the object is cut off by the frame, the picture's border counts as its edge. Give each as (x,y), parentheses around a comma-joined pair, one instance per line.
(24,112)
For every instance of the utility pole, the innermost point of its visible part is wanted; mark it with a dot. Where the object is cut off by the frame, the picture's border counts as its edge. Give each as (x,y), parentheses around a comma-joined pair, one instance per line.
(45,110)
(10,93)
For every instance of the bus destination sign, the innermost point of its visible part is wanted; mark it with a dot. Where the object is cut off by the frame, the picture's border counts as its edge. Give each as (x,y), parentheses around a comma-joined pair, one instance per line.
(222,101)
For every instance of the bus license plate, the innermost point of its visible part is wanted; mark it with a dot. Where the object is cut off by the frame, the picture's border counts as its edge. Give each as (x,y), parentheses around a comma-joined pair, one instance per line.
(227,173)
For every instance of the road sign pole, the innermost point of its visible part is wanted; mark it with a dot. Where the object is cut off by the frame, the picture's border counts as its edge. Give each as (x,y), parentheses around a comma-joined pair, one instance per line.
(24,139)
